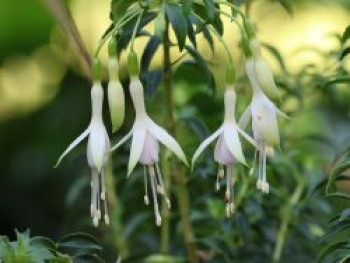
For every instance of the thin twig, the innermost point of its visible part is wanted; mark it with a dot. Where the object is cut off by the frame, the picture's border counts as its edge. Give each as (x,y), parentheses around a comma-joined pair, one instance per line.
(63,17)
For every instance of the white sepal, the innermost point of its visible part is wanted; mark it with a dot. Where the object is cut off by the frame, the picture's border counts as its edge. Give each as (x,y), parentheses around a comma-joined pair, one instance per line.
(78,140)
(166,139)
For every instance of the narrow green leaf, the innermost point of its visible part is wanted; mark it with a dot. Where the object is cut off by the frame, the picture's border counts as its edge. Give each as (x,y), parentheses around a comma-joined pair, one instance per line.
(148,53)
(346,35)
(330,249)
(187,7)
(178,22)
(287,4)
(191,34)
(79,241)
(344,53)
(337,80)
(210,7)
(201,63)
(119,7)
(277,55)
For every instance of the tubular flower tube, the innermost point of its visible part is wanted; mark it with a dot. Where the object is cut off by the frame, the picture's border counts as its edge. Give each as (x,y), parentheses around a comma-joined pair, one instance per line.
(145,135)
(264,124)
(228,150)
(261,69)
(97,155)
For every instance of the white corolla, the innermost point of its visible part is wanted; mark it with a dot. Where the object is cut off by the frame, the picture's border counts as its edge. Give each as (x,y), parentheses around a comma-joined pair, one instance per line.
(228,149)
(263,113)
(145,135)
(97,154)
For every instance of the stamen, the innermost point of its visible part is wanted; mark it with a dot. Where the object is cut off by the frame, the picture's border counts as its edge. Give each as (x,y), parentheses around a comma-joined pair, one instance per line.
(259,183)
(252,170)
(228,184)
(145,197)
(265,185)
(103,185)
(155,201)
(217,184)
(221,171)
(106,219)
(162,186)
(94,193)
(230,207)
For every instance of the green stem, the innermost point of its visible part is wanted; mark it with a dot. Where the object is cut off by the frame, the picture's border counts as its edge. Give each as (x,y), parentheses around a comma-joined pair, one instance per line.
(122,22)
(176,172)
(285,221)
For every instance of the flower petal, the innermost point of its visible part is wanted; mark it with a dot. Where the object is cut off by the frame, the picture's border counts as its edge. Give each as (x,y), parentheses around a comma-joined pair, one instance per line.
(122,141)
(138,140)
(265,120)
(165,138)
(247,137)
(204,145)
(233,143)
(98,146)
(245,118)
(282,114)
(73,145)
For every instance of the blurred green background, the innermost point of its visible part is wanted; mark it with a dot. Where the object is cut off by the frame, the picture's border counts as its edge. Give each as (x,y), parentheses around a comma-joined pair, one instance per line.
(45,104)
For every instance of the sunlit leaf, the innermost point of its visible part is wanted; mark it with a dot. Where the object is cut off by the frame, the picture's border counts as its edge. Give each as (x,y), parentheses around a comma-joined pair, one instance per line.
(346,34)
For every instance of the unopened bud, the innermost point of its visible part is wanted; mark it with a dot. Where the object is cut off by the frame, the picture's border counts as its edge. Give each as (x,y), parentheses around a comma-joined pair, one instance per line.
(116,101)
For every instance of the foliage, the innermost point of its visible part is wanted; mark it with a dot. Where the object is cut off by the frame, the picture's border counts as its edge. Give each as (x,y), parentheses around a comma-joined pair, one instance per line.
(78,247)
(289,225)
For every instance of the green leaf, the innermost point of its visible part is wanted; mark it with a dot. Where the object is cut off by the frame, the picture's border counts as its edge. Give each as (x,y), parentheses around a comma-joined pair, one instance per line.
(119,7)
(346,35)
(202,65)
(79,241)
(187,7)
(330,249)
(277,55)
(124,37)
(159,25)
(191,34)
(344,53)
(178,22)
(287,4)
(210,7)
(163,259)
(337,80)
(202,28)
(148,53)
(88,258)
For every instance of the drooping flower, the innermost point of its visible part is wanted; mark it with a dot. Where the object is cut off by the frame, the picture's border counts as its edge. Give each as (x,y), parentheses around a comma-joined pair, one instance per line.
(228,150)
(97,155)
(263,113)
(116,98)
(145,135)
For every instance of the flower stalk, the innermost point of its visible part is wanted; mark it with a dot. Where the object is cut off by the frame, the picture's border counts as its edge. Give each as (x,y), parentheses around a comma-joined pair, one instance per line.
(177,173)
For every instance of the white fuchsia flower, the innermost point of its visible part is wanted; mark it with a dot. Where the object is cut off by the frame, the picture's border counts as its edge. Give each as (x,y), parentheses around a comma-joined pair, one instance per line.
(145,135)
(264,124)
(97,154)
(228,149)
